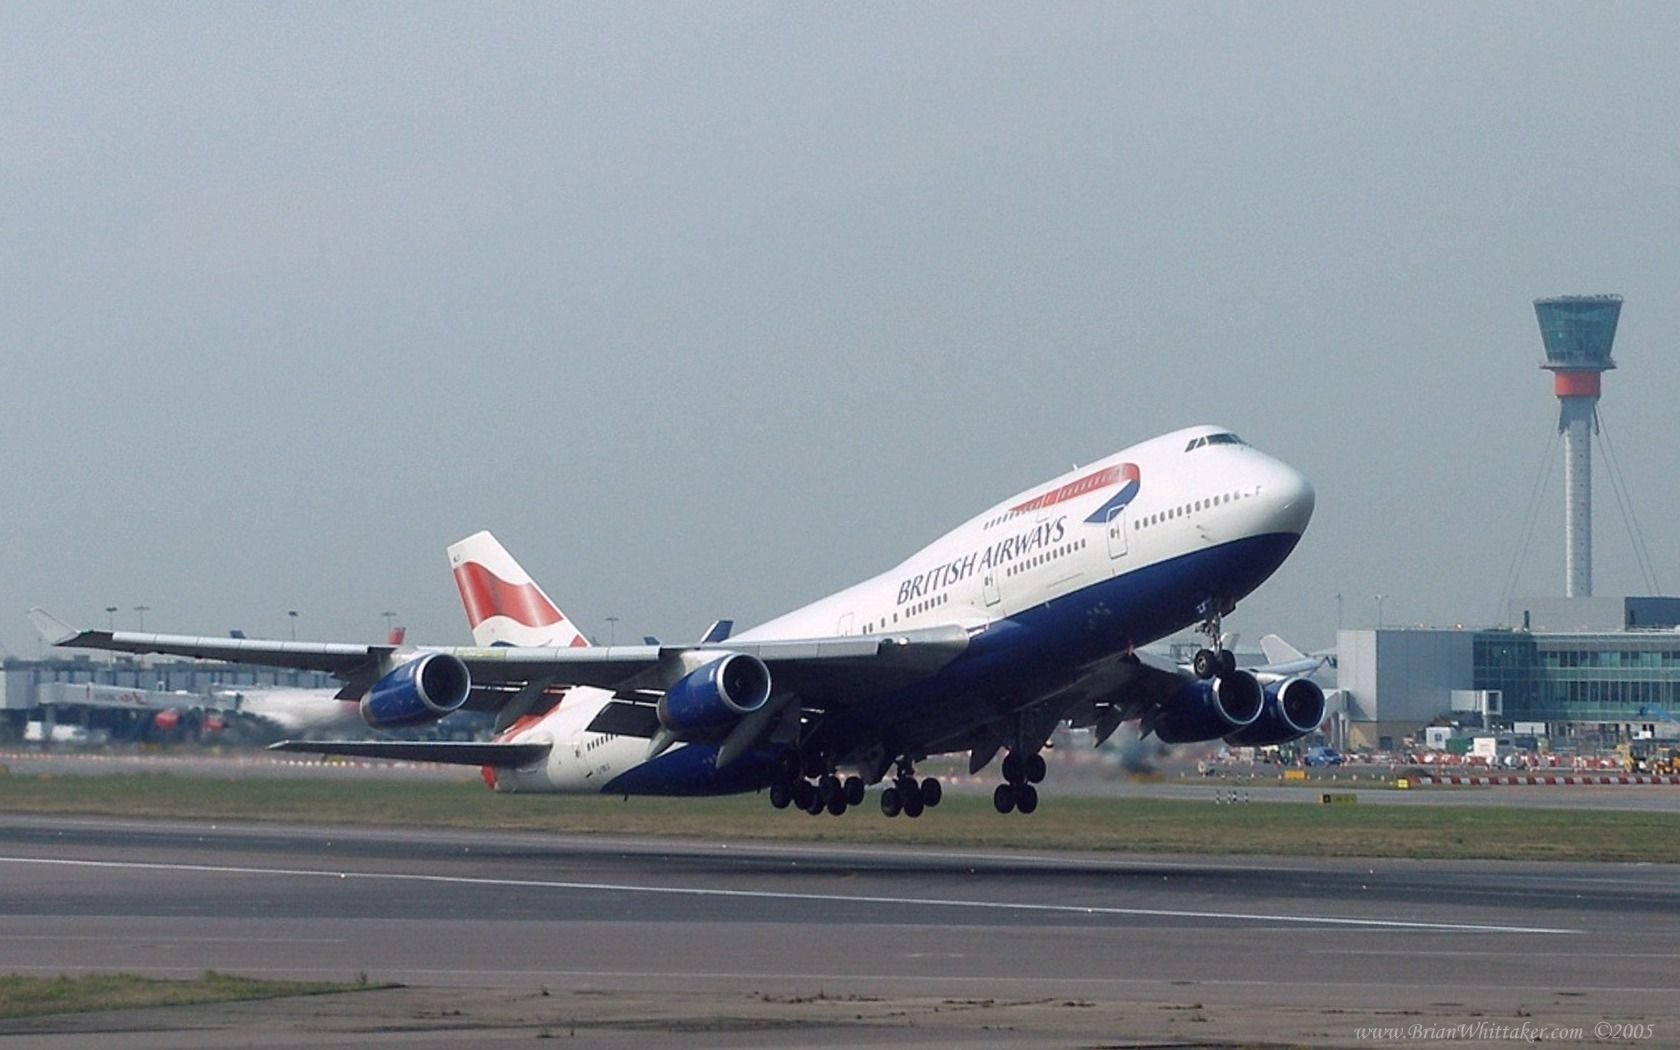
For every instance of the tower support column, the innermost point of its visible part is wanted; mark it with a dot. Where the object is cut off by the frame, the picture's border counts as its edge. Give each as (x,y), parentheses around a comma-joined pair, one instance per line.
(1578,420)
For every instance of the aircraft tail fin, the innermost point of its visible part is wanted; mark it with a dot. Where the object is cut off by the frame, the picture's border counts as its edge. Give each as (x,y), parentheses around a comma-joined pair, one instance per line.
(1279,651)
(504,605)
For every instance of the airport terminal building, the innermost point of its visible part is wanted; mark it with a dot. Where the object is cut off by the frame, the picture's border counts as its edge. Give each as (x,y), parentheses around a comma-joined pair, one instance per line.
(1598,669)
(33,690)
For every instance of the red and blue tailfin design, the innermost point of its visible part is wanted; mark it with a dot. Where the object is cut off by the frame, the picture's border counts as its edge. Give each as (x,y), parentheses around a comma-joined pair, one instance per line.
(504,605)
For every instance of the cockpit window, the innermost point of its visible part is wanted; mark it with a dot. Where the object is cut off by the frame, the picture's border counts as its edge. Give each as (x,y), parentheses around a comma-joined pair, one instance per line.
(1214,439)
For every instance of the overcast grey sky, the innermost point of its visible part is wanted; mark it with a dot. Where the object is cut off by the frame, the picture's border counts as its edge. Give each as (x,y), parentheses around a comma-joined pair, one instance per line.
(708,310)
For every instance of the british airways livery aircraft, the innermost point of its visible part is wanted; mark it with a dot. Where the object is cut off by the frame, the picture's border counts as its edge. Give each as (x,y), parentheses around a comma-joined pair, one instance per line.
(1028,615)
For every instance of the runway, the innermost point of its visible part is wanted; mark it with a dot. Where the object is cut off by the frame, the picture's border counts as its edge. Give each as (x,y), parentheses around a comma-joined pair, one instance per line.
(1298,950)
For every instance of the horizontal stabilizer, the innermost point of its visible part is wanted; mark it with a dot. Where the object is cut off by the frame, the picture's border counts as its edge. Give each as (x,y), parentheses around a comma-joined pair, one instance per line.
(449,752)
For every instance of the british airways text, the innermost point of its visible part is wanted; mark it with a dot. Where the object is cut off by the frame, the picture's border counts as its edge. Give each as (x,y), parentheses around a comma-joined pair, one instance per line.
(1000,553)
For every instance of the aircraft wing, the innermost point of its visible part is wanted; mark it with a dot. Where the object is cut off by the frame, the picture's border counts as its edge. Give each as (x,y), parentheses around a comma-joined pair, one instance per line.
(819,670)
(349,661)
(505,756)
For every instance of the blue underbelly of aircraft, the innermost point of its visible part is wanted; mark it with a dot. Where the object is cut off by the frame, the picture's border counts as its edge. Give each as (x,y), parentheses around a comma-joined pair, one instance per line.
(1002,663)
(692,770)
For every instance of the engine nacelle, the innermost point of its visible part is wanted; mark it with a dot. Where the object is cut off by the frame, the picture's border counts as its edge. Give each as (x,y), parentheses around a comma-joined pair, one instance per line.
(716,695)
(1294,708)
(418,692)
(1208,710)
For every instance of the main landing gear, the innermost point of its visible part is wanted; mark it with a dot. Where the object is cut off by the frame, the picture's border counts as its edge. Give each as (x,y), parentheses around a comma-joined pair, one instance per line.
(910,796)
(815,788)
(1020,773)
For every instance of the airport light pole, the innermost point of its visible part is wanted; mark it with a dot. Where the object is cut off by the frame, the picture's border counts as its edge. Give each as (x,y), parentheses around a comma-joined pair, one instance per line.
(390,621)
(142,609)
(612,629)
(1380,598)
(1338,613)
(293,614)
(111,616)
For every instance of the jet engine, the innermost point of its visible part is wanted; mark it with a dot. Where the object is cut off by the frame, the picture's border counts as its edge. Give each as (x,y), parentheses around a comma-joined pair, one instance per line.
(1208,710)
(715,696)
(1294,708)
(418,692)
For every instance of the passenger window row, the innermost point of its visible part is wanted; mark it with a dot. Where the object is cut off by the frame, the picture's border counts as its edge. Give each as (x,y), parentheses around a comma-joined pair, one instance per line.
(1187,509)
(1046,558)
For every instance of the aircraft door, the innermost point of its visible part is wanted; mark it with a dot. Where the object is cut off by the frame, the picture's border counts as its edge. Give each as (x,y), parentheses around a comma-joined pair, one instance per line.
(847,622)
(1117,533)
(989,587)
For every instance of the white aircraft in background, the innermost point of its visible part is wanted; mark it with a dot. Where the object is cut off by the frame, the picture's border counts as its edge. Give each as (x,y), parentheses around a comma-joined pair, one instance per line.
(1030,614)
(283,710)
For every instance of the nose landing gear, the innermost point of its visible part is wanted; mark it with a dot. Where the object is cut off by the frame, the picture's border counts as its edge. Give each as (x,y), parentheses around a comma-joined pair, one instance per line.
(1215,660)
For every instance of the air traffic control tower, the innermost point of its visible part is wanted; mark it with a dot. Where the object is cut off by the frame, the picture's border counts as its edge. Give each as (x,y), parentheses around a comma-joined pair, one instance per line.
(1578,331)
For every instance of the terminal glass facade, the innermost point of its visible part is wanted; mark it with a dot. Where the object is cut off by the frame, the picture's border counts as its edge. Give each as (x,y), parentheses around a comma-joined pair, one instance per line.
(1620,677)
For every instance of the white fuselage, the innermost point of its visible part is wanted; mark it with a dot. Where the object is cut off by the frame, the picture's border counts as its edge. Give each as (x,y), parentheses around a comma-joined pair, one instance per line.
(1031,549)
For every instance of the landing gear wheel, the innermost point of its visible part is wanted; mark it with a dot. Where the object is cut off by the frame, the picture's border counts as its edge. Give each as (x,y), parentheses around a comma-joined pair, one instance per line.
(1012,768)
(1003,799)
(1026,798)
(912,804)
(837,804)
(1035,769)
(803,794)
(931,792)
(780,794)
(1205,664)
(829,789)
(853,788)
(816,805)
(1227,662)
(890,805)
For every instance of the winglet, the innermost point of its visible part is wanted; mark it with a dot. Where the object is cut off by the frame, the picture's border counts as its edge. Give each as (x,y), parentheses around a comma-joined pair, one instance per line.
(51,628)
(717,632)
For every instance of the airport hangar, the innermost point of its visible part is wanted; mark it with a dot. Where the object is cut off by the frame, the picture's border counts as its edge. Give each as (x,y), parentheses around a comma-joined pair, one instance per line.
(1593,670)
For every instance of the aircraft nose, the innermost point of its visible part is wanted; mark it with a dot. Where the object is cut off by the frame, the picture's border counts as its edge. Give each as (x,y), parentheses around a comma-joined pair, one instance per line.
(1289,500)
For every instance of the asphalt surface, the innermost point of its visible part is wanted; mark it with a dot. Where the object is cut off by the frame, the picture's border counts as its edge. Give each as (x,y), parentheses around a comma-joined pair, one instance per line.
(1079,774)
(720,943)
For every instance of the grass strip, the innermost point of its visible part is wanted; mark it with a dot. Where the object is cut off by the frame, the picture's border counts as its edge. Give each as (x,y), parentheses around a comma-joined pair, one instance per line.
(961,820)
(34,996)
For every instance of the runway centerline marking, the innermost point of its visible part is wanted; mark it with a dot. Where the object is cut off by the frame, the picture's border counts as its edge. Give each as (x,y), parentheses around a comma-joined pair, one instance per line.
(785,895)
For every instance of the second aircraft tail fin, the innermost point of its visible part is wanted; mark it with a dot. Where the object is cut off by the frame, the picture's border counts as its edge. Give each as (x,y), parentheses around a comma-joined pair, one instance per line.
(504,605)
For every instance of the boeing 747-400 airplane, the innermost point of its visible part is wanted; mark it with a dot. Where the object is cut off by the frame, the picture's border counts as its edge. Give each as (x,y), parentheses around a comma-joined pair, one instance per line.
(1028,615)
